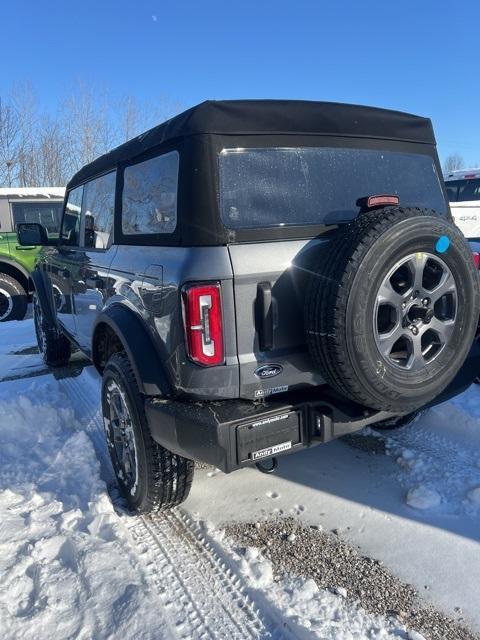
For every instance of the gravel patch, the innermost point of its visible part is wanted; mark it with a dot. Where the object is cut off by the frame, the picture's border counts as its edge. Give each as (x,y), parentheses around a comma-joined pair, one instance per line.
(203,465)
(368,443)
(299,550)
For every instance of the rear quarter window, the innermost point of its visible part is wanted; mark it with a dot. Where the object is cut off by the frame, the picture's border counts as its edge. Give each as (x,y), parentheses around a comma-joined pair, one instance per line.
(149,199)
(271,187)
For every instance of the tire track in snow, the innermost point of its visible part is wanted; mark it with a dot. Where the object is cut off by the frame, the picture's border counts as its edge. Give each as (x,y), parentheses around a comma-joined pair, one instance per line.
(84,395)
(201,596)
(206,597)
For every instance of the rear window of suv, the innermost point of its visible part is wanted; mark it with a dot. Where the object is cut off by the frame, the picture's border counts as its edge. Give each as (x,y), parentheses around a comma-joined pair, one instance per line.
(272,187)
(463,190)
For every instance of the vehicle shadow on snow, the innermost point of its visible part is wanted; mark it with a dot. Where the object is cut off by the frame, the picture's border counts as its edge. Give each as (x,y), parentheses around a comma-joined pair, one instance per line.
(31,365)
(362,473)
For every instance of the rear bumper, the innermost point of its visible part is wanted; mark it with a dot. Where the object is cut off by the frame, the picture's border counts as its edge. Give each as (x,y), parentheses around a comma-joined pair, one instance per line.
(232,434)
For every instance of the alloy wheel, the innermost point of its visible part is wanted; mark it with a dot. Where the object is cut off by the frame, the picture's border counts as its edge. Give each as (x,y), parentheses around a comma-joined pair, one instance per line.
(121,437)
(6,304)
(415,311)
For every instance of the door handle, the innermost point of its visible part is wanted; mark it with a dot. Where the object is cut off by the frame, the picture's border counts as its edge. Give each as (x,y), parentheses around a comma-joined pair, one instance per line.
(20,248)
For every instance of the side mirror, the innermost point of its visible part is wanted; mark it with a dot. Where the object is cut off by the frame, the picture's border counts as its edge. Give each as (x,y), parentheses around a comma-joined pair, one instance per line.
(32,233)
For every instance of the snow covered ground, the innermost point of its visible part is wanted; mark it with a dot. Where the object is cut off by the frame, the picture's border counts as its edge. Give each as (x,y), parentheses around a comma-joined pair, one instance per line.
(73,566)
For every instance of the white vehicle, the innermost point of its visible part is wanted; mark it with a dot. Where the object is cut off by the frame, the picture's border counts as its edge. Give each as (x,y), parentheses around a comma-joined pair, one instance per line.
(463,190)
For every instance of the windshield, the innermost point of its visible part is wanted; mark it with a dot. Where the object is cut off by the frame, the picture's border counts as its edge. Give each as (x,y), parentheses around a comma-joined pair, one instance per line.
(302,186)
(463,190)
(47,214)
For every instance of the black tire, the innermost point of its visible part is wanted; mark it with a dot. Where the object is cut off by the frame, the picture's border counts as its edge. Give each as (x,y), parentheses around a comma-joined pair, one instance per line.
(341,300)
(54,347)
(397,423)
(13,299)
(150,477)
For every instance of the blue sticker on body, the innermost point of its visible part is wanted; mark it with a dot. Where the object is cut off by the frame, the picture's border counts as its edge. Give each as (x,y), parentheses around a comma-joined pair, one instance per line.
(442,244)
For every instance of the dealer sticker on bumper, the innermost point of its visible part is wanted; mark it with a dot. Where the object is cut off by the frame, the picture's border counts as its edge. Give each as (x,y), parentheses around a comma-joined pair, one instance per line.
(271,451)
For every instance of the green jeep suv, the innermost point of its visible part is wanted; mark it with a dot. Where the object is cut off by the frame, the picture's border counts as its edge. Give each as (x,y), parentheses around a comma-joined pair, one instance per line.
(42,205)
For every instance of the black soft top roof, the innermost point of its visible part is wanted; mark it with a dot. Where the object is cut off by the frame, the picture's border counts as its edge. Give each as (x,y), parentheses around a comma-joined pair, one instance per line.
(251,117)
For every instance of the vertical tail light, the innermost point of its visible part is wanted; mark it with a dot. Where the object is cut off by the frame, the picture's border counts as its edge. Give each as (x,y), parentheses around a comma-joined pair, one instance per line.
(476,259)
(202,315)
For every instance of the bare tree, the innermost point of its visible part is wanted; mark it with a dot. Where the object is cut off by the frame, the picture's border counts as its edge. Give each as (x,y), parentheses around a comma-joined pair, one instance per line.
(9,130)
(134,117)
(25,105)
(130,118)
(52,153)
(453,162)
(38,149)
(88,128)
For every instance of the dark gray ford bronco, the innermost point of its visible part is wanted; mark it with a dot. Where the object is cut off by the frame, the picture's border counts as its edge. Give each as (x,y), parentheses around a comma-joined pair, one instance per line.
(256,277)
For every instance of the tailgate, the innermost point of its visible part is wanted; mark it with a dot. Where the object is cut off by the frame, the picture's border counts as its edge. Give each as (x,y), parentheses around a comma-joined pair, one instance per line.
(269,287)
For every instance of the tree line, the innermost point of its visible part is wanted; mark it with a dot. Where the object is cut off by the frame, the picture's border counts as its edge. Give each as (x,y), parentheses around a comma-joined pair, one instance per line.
(454,162)
(45,148)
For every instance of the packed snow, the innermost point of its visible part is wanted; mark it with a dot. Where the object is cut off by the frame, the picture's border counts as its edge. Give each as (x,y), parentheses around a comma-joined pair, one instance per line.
(474,496)
(311,612)
(70,565)
(66,568)
(422,497)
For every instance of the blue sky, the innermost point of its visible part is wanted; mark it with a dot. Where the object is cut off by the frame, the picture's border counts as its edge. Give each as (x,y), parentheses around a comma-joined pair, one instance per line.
(416,56)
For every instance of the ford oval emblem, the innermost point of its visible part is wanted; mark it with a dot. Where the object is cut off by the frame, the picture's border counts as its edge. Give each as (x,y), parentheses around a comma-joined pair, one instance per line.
(268,371)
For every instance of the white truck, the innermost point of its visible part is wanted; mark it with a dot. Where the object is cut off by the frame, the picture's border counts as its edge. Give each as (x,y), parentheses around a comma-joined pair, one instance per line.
(463,190)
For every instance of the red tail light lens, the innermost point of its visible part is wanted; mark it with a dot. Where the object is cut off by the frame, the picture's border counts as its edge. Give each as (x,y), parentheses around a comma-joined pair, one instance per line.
(202,306)
(382,201)
(476,259)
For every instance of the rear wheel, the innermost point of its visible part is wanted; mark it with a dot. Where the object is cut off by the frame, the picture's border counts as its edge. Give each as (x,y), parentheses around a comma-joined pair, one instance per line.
(54,347)
(13,299)
(150,477)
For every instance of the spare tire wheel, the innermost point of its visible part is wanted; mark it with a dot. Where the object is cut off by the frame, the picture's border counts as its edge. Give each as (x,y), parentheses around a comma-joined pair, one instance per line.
(392,309)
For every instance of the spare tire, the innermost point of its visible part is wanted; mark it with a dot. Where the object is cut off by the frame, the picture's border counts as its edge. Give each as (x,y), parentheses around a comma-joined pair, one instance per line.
(392,309)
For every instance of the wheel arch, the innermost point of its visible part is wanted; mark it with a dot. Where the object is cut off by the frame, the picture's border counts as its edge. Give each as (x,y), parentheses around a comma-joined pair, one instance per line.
(14,270)
(119,329)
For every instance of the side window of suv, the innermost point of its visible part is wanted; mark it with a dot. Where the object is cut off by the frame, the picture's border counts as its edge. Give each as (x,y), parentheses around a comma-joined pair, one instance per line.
(71,219)
(97,210)
(149,200)
(46,213)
